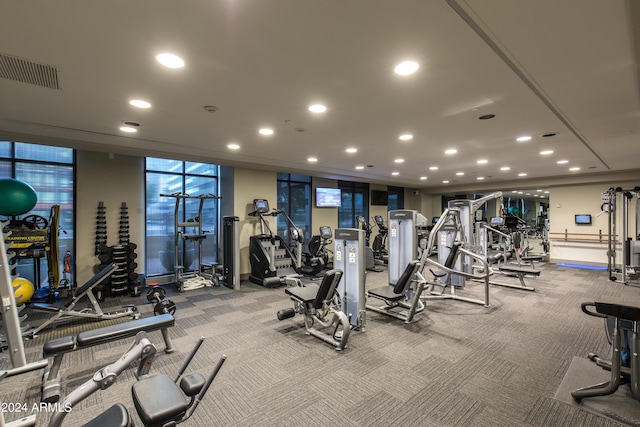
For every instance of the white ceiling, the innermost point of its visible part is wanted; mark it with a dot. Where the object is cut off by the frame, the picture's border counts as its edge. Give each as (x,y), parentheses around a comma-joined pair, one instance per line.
(546,66)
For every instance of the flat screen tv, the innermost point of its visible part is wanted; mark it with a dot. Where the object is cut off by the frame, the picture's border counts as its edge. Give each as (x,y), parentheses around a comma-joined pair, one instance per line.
(379,198)
(583,219)
(328,197)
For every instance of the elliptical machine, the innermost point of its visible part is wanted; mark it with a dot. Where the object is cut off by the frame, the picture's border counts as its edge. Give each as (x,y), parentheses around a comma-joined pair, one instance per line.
(370,261)
(316,258)
(380,252)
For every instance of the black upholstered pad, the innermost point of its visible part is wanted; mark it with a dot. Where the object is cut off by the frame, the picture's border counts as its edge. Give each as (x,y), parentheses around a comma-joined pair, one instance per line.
(520,270)
(386,293)
(158,400)
(116,416)
(624,312)
(94,281)
(305,293)
(123,330)
(58,345)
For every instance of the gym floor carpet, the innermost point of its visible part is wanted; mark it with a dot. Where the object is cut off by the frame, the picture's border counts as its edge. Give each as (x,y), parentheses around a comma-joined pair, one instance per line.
(458,364)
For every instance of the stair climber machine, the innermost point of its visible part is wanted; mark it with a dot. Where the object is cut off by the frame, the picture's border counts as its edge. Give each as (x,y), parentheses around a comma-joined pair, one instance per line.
(271,259)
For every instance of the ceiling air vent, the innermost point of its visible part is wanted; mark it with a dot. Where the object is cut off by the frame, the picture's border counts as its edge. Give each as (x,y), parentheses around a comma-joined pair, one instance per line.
(21,70)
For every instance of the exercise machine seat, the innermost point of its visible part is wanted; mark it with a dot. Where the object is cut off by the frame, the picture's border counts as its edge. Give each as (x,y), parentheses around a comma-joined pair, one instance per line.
(398,291)
(192,384)
(306,294)
(115,416)
(158,400)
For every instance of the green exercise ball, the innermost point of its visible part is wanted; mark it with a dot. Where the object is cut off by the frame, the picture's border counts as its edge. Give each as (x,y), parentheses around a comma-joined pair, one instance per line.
(16,197)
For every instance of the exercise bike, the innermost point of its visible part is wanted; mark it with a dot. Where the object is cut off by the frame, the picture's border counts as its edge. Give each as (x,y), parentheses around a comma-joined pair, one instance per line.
(380,252)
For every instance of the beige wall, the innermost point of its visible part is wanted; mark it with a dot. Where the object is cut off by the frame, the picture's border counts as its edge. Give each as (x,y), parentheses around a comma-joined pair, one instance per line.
(248,185)
(112,179)
(567,201)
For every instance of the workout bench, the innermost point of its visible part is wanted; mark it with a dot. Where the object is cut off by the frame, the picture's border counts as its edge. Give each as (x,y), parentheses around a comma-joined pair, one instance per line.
(520,273)
(68,311)
(320,304)
(401,295)
(58,347)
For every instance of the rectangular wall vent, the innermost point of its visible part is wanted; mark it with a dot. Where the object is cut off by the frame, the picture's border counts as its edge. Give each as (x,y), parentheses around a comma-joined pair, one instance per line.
(21,70)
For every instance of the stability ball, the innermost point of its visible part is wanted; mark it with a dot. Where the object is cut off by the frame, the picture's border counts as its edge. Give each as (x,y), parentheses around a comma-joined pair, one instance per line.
(16,197)
(23,290)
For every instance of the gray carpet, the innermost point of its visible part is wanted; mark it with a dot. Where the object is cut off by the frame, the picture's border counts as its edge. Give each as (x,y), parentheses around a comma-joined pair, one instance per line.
(457,365)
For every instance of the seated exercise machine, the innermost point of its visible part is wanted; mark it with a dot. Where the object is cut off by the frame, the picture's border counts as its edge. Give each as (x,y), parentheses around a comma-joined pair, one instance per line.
(69,311)
(58,347)
(320,304)
(402,300)
(159,400)
(621,321)
(455,263)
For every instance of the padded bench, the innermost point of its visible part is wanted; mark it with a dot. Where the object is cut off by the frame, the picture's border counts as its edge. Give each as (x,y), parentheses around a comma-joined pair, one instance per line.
(59,346)
(519,272)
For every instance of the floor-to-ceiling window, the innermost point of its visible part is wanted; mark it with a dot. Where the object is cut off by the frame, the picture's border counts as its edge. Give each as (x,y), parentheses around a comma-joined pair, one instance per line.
(164,176)
(355,201)
(51,173)
(294,198)
(396,198)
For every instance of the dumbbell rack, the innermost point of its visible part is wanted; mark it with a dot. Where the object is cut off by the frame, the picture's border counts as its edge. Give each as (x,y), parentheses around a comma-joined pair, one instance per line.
(124,279)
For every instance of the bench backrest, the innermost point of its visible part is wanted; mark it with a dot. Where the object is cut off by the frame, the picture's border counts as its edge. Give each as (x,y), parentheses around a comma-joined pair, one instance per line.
(453,253)
(94,281)
(402,285)
(327,287)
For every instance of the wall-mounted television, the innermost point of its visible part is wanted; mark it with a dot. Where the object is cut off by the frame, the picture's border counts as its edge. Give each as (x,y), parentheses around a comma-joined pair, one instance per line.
(328,197)
(379,198)
(583,219)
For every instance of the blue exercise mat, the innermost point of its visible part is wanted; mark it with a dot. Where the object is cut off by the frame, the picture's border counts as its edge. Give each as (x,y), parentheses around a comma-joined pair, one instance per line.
(582,266)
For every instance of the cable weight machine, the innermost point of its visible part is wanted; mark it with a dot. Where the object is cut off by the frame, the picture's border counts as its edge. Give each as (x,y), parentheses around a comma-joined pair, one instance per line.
(627,270)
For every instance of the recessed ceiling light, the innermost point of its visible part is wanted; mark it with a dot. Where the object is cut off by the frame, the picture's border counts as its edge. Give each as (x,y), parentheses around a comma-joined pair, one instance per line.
(407,67)
(351,150)
(398,161)
(519,192)
(546,152)
(433,168)
(542,197)
(395,173)
(528,194)
(445,182)
(480,178)
(450,151)
(562,162)
(522,174)
(317,108)
(539,191)
(359,167)
(487,117)
(482,161)
(233,146)
(523,138)
(266,131)
(514,192)
(535,195)
(505,168)
(312,159)
(574,169)
(128,129)
(405,137)
(170,60)
(459,173)
(422,178)
(140,103)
